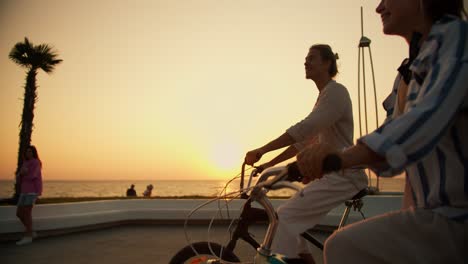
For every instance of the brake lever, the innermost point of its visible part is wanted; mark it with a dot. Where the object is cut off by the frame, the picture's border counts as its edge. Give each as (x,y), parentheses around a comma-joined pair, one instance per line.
(257,170)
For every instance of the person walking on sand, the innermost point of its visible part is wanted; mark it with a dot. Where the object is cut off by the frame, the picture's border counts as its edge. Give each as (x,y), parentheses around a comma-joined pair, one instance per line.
(30,178)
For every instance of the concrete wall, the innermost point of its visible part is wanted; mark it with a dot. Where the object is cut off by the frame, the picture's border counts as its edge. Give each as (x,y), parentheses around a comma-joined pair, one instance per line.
(70,216)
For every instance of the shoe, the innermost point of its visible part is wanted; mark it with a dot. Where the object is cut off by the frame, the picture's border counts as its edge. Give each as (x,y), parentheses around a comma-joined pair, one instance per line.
(24,241)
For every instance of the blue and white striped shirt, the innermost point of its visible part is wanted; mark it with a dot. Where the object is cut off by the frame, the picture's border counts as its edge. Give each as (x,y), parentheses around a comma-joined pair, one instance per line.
(430,138)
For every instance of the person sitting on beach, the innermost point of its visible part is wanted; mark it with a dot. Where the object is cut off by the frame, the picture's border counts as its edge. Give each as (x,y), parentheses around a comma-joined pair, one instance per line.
(331,121)
(147,192)
(425,134)
(131,191)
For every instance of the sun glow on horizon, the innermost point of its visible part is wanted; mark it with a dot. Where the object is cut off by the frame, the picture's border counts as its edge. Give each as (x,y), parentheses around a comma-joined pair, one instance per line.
(226,155)
(157,89)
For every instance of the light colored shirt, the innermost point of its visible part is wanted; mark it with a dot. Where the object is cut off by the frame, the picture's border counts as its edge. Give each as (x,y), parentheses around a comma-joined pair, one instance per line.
(429,139)
(331,120)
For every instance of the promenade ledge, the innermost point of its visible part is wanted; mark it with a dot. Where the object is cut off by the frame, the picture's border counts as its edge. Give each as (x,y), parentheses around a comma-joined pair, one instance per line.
(63,218)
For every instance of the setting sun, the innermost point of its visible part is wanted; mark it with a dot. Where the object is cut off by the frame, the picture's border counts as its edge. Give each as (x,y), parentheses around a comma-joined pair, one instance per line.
(226,155)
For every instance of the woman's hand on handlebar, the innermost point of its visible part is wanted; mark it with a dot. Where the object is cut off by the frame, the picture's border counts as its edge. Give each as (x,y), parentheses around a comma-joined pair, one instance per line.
(311,161)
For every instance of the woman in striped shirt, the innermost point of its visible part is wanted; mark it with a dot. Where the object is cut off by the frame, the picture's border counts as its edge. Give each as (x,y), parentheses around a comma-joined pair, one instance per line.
(425,134)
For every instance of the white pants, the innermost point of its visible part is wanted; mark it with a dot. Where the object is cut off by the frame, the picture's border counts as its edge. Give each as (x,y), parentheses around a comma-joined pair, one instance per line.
(301,213)
(409,236)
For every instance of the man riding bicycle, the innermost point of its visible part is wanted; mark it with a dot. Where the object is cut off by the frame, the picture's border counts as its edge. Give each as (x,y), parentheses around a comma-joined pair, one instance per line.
(330,122)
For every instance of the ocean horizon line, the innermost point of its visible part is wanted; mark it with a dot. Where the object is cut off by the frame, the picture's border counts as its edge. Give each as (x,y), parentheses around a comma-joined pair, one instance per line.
(117,180)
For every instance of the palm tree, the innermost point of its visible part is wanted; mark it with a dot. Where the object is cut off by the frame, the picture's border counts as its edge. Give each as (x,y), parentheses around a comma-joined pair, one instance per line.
(33,58)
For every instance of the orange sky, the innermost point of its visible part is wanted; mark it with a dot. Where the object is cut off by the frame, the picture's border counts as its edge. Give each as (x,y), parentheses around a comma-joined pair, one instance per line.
(175,89)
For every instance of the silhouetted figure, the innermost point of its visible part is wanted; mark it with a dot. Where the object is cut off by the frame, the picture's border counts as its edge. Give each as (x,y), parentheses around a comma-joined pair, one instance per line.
(30,178)
(330,122)
(424,135)
(147,192)
(131,191)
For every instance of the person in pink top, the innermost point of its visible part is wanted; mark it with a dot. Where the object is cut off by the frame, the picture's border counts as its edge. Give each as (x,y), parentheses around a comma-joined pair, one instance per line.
(30,179)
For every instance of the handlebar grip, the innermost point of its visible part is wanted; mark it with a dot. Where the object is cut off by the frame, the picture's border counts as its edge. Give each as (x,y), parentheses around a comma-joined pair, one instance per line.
(331,163)
(294,174)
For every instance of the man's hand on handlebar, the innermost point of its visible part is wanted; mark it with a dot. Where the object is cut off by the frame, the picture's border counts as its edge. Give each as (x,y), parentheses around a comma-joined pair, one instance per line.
(253,156)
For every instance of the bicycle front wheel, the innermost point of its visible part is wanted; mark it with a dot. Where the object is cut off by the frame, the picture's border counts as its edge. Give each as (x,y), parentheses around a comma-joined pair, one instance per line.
(188,256)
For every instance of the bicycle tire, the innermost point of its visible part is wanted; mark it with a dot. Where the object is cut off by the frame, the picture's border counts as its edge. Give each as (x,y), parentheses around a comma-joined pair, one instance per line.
(187,256)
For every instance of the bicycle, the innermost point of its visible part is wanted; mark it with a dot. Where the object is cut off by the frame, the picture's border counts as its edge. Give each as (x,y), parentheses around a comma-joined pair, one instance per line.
(210,252)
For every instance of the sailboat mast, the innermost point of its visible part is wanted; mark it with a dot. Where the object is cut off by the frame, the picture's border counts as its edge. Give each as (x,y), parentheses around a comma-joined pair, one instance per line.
(365,42)
(362,23)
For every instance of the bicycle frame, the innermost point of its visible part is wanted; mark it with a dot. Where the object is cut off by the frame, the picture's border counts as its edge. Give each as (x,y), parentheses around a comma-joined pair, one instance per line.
(264,254)
(281,177)
(251,215)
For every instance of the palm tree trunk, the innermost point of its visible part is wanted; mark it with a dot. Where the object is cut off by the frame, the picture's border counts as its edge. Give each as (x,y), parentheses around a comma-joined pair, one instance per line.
(27,117)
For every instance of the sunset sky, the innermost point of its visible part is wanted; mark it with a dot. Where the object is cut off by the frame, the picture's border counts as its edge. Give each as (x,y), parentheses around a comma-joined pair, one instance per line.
(175,89)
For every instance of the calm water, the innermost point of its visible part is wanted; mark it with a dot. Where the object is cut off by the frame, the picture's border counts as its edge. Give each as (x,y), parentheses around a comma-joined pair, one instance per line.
(161,188)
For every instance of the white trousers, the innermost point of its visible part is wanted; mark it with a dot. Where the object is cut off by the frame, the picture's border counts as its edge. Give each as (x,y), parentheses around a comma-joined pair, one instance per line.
(301,213)
(408,236)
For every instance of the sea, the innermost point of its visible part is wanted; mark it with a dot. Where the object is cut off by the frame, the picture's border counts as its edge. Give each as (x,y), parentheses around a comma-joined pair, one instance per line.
(162,188)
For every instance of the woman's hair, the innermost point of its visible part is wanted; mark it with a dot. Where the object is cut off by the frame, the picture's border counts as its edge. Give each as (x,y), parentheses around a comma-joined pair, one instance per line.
(327,54)
(34,152)
(436,9)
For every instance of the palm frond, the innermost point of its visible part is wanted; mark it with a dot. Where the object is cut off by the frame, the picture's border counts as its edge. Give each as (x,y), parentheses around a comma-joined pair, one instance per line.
(46,58)
(40,57)
(21,53)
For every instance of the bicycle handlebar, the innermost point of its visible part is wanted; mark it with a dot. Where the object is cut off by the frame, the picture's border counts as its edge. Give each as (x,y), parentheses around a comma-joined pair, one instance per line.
(289,173)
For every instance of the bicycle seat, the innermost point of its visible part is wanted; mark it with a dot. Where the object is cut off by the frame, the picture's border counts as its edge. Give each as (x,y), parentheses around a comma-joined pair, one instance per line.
(360,194)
